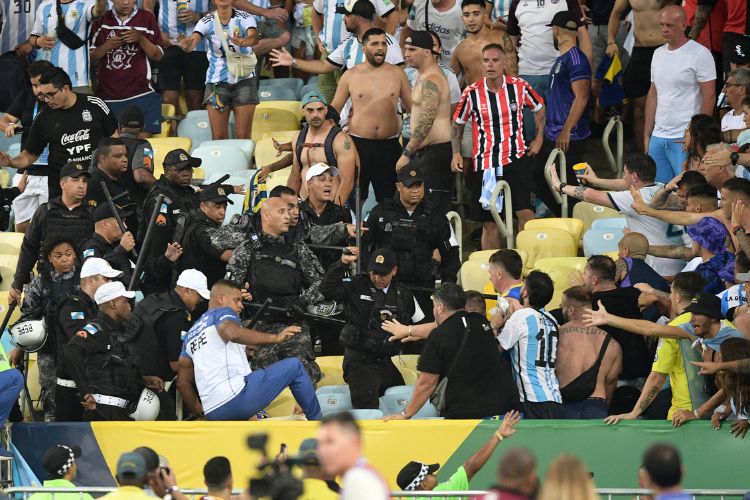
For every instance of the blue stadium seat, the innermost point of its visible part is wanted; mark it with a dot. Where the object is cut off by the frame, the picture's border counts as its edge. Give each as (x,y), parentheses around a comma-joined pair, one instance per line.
(599,241)
(5,142)
(313,79)
(196,126)
(332,389)
(365,414)
(395,403)
(293,84)
(334,402)
(400,389)
(246,145)
(221,159)
(277,94)
(611,223)
(310,87)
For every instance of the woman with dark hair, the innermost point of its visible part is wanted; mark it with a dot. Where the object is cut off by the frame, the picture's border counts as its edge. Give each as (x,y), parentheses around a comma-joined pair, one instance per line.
(702,131)
(735,386)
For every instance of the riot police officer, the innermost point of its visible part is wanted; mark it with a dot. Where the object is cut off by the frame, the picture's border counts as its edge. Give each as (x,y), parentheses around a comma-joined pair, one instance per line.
(275,267)
(101,359)
(69,213)
(74,311)
(108,242)
(369,299)
(413,228)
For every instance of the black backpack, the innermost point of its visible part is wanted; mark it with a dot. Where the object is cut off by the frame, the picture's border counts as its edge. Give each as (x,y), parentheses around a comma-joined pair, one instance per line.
(14,78)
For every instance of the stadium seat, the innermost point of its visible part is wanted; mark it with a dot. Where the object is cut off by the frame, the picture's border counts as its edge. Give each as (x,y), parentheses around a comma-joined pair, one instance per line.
(409,361)
(246,145)
(16,312)
(333,376)
(395,403)
(485,255)
(613,255)
(4,178)
(313,79)
(613,223)
(199,175)
(162,147)
(293,84)
(277,94)
(333,389)
(546,242)
(221,159)
(6,249)
(284,173)
(272,182)
(168,113)
(558,274)
(6,142)
(281,135)
(574,262)
(283,406)
(334,402)
(400,389)
(365,414)
(270,119)
(556,300)
(330,361)
(588,213)
(599,241)
(294,107)
(13,239)
(410,376)
(14,149)
(196,127)
(8,265)
(310,87)
(573,226)
(475,275)
(265,153)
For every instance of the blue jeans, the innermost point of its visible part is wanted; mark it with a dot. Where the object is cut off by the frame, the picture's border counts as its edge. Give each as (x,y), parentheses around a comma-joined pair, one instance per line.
(11,383)
(668,157)
(262,387)
(540,84)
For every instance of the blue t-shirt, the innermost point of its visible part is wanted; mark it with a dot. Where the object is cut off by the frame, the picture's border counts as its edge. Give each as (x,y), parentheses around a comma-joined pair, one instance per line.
(710,271)
(568,68)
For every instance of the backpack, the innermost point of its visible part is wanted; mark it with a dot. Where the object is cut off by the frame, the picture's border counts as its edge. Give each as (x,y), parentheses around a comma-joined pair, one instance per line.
(13,77)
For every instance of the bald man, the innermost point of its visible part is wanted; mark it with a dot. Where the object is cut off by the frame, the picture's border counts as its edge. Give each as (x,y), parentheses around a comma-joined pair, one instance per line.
(683,76)
(632,268)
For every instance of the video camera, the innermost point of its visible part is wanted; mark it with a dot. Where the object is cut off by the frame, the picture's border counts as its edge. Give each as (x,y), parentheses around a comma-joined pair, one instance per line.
(278,482)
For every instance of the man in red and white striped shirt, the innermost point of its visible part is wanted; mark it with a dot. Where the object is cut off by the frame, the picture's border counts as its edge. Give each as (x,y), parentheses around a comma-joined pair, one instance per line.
(496,104)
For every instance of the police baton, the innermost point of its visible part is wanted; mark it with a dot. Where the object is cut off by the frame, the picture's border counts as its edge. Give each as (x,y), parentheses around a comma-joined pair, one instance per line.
(111,202)
(152,222)
(432,290)
(11,308)
(258,314)
(358,216)
(307,315)
(326,247)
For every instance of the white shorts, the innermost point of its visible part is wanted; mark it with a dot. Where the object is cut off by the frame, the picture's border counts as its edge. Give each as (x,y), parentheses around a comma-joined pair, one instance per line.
(36,193)
(467,143)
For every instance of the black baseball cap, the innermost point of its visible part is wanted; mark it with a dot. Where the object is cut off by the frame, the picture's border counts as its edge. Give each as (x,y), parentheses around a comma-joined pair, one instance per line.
(566,20)
(740,48)
(421,39)
(383,261)
(413,473)
(131,117)
(216,193)
(408,175)
(179,159)
(151,457)
(104,211)
(74,169)
(59,458)
(362,8)
(707,304)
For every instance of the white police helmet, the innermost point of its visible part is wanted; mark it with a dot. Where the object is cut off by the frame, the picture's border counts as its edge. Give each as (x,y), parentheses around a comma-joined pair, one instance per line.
(28,335)
(148,406)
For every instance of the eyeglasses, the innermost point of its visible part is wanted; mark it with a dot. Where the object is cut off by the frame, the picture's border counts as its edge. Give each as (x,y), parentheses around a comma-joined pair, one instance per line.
(48,97)
(733,85)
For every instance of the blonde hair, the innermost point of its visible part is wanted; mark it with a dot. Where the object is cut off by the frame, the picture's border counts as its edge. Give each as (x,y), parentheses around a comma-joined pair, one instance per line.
(568,479)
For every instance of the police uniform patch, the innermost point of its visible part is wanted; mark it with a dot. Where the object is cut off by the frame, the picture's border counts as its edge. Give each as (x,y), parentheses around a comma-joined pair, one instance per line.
(163,208)
(88,253)
(161,220)
(182,335)
(380,259)
(183,157)
(91,329)
(76,315)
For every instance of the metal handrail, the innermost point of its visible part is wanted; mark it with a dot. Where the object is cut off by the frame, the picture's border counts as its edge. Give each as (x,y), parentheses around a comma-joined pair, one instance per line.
(614,164)
(562,172)
(455,219)
(506,229)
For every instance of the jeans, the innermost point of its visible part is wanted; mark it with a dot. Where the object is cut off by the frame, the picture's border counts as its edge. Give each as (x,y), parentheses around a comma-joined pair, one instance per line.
(668,157)
(11,383)
(540,84)
(263,386)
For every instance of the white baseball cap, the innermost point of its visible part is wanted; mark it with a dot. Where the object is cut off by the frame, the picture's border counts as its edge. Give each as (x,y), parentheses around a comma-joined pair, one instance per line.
(194,280)
(94,266)
(110,291)
(318,169)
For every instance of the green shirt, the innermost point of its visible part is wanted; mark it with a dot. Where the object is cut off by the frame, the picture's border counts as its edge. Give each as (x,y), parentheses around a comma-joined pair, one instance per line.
(60,483)
(458,482)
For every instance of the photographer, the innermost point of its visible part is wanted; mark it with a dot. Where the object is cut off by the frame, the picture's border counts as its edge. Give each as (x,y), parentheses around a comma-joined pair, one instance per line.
(133,475)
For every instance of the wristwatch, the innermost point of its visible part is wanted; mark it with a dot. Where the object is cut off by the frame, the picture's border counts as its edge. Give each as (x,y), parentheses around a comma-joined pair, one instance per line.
(738,229)
(562,185)
(403,414)
(294,63)
(735,156)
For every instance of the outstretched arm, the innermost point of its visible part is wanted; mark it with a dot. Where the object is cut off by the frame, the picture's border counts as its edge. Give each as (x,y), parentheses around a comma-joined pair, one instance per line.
(478,459)
(639,326)
(581,192)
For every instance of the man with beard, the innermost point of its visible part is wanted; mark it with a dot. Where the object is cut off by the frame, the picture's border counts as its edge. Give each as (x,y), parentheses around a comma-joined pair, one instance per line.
(375,87)
(429,148)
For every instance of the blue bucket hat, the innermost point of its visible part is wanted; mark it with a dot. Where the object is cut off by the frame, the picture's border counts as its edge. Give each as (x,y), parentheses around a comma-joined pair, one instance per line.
(710,234)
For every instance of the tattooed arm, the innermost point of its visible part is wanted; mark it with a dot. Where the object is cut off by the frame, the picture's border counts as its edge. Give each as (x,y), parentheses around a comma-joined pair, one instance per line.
(429,108)
(671,252)
(581,192)
(511,56)
(702,13)
(654,383)
(741,366)
(621,270)
(346,156)
(457,135)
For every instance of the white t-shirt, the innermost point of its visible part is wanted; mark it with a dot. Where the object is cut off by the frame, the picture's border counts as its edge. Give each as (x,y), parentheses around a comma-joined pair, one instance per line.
(732,121)
(334,31)
(447,24)
(656,231)
(363,482)
(220,365)
(677,75)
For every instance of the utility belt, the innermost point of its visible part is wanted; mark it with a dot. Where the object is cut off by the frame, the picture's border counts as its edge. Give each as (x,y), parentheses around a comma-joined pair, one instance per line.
(66,383)
(110,401)
(354,355)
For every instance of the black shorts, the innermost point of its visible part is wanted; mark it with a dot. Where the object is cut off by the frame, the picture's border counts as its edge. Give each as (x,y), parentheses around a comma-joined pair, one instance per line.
(177,65)
(636,80)
(378,160)
(519,176)
(434,161)
(548,410)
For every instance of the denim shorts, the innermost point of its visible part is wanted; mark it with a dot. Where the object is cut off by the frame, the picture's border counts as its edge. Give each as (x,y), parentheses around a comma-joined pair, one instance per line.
(239,94)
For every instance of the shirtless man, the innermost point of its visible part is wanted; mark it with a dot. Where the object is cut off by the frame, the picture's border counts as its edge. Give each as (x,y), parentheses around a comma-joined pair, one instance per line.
(430,122)
(310,148)
(637,76)
(468,57)
(375,87)
(588,360)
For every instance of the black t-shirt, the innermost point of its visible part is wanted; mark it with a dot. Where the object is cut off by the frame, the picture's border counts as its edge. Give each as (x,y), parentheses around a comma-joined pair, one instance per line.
(600,11)
(481,385)
(72,134)
(623,302)
(23,108)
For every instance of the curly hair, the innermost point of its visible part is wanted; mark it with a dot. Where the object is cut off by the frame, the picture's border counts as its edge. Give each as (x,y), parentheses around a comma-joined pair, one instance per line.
(53,241)
(734,385)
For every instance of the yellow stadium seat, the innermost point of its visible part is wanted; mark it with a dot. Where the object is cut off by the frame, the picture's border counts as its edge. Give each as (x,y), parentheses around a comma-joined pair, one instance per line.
(573,226)
(546,242)
(6,249)
(284,173)
(182,104)
(294,107)
(166,110)
(409,361)
(272,119)
(4,309)
(333,376)
(4,178)
(330,362)
(8,265)
(558,274)
(283,406)
(281,135)
(613,255)
(162,146)
(486,254)
(158,172)
(475,275)
(574,262)
(265,153)
(272,182)
(13,239)
(588,213)
(410,376)
(556,300)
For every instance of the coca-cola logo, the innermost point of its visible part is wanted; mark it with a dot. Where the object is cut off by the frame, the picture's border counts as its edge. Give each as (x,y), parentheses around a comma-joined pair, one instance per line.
(81,135)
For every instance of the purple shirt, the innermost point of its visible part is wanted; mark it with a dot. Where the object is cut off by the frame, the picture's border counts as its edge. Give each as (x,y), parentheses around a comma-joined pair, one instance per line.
(568,68)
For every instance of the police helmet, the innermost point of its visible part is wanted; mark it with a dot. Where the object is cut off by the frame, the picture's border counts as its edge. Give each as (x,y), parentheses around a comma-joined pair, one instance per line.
(148,406)
(28,335)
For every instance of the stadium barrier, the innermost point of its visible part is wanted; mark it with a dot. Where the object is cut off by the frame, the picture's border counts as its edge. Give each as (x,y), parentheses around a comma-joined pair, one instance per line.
(614,163)
(506,229)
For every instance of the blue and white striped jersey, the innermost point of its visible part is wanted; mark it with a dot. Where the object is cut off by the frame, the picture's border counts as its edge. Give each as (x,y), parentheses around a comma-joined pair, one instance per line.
(238,25)
(349,53)
(733,297)
(169,24)
(78,18)
(500,8)
(334,32)
(531,337)
(263,4)
(18,21)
